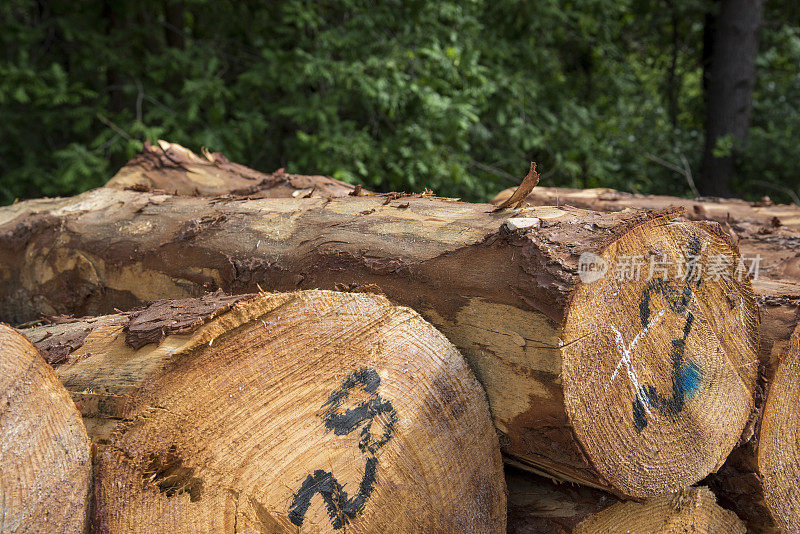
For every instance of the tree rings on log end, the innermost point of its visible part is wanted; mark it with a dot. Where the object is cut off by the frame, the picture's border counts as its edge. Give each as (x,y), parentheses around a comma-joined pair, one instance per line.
(45,463)
(691,510)
(659,364)
(779,442)
(305,412)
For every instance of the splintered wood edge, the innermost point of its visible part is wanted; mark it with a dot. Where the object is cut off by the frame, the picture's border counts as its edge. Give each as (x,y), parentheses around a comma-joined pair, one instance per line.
(658,391)
(45,473)
(779,441)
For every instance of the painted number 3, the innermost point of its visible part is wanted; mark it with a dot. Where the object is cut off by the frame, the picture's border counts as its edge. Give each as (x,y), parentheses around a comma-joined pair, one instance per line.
(342,508)
(685,376)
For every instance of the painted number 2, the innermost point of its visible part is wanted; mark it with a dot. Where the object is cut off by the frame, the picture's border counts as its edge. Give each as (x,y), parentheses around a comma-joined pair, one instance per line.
(342,508)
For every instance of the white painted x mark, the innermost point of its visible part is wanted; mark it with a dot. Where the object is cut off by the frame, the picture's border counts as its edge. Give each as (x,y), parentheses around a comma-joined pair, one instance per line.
(625,353)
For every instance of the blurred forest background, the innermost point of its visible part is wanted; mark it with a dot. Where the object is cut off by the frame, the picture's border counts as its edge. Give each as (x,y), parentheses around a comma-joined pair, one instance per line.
(454,96)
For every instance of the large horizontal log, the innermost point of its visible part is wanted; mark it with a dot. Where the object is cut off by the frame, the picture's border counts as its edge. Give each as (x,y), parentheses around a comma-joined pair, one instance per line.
(302,412)
(639,386)
(174,169)
(45,463)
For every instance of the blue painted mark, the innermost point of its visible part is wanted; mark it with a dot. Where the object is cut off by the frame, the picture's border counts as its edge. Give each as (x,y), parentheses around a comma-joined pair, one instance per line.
(686,377)
(691,375)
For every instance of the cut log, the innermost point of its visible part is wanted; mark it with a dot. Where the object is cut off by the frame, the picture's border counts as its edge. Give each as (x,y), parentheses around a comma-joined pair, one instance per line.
(771,233)
(692,510)
(171,168)
(45,463)
(301,412)
(778,450)
(537,505)
(639,386)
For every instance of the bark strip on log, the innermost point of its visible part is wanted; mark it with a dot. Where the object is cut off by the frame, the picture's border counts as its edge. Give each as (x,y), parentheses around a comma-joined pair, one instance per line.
(729,210)
(174,169)
(691,510)
(640,386)
(761,229)
(312,411)
(45,462)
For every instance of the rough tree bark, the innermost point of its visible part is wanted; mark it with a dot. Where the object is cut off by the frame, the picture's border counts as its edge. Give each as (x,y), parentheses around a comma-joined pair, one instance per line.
(638,386)
(174,169)
(731,80)
(45,463)
(312,411)
(723,210)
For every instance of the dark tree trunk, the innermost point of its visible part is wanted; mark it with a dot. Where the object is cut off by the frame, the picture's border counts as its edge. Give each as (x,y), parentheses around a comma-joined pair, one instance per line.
(729,97)
(173,30)
(112,14)
(673,86)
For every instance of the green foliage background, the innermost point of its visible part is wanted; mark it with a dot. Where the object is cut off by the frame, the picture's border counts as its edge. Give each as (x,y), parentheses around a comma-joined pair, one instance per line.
(453,96)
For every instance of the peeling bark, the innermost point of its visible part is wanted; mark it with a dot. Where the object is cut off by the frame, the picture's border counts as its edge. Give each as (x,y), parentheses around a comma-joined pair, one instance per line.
(174,169)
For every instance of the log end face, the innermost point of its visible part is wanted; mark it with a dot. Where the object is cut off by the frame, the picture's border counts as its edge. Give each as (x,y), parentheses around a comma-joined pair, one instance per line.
(45,464)
(659,356)
(779,442)
(310,411)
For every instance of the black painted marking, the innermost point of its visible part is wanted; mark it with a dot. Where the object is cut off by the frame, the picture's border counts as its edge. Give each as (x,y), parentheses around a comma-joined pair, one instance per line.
(685,377)
(342,508)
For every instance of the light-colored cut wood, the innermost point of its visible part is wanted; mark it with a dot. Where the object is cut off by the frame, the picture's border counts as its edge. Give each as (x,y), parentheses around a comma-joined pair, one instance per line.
(689,511)
(779,442)
(45,463)
(309,412)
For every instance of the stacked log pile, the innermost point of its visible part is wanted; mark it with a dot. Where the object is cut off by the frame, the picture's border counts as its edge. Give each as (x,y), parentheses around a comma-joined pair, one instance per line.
(234,344)
(546,347)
